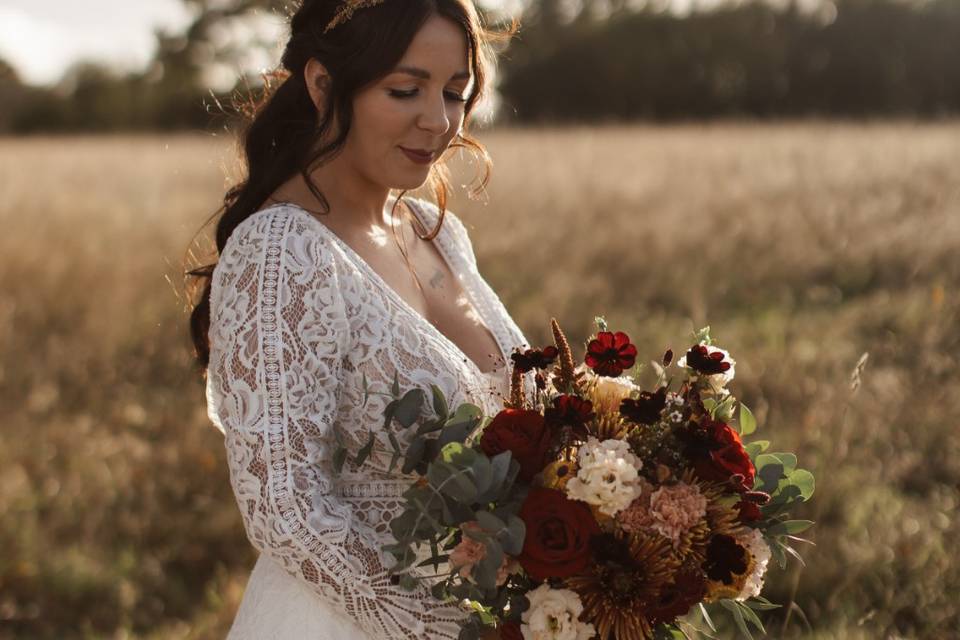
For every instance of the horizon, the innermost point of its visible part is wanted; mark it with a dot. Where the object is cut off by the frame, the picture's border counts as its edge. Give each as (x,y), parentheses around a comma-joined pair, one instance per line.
(43,39)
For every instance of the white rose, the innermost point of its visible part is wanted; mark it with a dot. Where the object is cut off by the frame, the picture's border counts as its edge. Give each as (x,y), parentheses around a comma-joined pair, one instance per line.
(553,615)
(717,381)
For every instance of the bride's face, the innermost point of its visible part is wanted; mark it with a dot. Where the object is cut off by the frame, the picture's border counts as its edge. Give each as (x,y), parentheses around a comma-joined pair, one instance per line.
(419,106)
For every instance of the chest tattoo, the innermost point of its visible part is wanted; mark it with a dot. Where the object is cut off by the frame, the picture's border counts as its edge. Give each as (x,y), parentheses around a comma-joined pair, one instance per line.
(437,280)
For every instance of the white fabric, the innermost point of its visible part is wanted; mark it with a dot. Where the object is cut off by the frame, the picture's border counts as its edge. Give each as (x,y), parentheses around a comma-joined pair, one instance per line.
(297,318)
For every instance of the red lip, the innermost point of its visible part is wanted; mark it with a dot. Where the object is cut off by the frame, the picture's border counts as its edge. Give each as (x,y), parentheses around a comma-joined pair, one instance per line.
(420,156)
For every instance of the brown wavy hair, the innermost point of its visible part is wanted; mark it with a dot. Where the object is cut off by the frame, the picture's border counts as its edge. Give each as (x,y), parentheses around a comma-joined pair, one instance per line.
(280,129)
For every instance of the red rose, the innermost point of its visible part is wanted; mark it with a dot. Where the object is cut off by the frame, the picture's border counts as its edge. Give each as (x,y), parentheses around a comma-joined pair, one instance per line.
(557,542)
(524,434)
(725,456)
(510,631)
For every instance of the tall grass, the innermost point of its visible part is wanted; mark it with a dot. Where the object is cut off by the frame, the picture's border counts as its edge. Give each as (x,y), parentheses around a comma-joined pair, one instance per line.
(802,245)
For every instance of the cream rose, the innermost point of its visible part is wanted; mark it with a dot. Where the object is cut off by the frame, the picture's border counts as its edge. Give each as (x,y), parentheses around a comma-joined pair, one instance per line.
(554,615)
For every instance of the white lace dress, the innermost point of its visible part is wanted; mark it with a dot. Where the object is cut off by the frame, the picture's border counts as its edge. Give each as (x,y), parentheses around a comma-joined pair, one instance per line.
(297,318)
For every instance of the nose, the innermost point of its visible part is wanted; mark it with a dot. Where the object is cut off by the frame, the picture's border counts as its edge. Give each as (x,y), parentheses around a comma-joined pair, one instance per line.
(434,117)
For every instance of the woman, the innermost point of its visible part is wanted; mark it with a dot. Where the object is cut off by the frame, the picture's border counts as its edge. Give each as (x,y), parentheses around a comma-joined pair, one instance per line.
(308,299)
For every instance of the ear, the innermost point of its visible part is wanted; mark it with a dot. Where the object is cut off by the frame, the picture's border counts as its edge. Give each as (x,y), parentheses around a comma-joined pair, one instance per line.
(317,79)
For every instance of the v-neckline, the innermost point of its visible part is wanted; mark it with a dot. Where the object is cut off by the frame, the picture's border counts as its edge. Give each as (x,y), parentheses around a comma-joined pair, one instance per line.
(406,305)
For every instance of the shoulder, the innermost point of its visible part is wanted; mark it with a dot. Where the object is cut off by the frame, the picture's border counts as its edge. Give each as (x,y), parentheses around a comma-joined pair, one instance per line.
(281,229)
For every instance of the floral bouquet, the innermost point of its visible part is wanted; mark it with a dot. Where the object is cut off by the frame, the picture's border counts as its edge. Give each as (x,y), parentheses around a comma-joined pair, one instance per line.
(604,510)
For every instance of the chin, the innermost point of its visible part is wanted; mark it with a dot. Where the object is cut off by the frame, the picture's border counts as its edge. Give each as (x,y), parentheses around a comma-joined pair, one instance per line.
(410,183)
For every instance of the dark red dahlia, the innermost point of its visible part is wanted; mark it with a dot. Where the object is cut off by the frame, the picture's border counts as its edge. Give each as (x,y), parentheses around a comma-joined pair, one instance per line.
(647,408)
(726,558)
(675,599)
(572,411)
(610,353)
(702,361)
(534,358)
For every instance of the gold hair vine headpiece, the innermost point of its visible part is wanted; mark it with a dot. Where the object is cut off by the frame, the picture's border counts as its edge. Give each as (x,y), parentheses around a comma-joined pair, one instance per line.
(345,12)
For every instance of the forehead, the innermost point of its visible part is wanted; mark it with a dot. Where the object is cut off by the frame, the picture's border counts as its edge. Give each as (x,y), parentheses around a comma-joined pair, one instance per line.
(438,50)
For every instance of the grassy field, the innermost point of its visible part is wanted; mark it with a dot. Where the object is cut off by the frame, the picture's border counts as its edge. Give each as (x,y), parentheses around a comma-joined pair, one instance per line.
(802,245)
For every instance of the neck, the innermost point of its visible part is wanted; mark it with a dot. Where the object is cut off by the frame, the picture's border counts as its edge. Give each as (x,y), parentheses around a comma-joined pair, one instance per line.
(354,201)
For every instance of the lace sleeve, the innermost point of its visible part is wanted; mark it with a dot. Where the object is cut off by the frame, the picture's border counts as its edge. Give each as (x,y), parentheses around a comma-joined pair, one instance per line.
(279,333)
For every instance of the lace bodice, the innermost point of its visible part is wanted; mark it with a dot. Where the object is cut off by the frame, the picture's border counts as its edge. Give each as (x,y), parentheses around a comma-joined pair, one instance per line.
(297,320)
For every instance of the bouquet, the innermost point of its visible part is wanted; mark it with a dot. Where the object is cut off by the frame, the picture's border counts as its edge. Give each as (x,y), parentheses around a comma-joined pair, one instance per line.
(604,510)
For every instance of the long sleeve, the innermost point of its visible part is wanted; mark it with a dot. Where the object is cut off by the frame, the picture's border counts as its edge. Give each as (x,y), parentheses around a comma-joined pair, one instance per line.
(279,335)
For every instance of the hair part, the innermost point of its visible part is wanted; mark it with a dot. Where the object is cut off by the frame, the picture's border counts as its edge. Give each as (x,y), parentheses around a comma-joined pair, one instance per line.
(282,129)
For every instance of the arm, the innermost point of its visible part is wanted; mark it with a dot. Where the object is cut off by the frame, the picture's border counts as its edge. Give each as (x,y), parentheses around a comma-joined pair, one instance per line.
(279,333)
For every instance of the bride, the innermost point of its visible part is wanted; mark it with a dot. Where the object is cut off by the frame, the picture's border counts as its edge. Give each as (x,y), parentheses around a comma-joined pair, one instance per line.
(309,297)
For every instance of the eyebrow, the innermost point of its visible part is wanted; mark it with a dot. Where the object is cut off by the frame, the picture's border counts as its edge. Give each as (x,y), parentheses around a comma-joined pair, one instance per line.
(423,73)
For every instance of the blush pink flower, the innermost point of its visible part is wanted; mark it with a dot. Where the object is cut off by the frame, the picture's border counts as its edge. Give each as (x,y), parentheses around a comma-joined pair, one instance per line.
(670,510)
(676,508)
(637,515)
(469,552)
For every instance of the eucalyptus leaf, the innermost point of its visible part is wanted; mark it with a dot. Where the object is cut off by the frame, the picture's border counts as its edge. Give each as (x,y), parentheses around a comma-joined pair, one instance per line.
(482,473)
(788,460)
(770,475)
(364,453)
(707,618)
(515,535)
(452,481)
(731,605)
(499,468)
(439,402)
(466,411)
(490,522)
(804,481)
(751,617)
(410,407)
(339,457)
(429,426)
(756,447)
(789,526)
(415,453)
(748,424)
(776,550)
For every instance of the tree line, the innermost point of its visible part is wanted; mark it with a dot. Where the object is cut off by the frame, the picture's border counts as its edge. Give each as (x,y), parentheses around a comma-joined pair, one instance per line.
(848,58)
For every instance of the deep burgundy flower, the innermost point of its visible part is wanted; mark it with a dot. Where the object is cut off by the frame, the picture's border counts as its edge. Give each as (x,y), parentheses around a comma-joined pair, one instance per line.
(610,353)
(559,530)
(718,454)
(522,432)
(726,558)
(668,357)
(572,411)
(702,361)
(647,408)
(534,358)
(749,511)
(675,599)
(510,631)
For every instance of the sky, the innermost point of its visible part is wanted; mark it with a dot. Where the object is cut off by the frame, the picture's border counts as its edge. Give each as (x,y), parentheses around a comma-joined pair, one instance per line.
(41,38)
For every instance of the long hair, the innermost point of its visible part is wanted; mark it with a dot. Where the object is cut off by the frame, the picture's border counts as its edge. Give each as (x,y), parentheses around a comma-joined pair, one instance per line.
(281,132)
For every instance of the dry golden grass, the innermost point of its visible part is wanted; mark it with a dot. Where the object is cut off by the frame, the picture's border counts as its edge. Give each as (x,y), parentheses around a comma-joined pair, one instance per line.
(803,245)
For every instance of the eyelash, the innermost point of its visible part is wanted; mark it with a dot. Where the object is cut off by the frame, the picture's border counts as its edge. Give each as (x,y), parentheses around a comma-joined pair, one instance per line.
(409,94)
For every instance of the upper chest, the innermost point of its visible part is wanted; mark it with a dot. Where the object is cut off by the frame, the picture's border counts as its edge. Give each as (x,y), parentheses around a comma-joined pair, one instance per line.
(430,286)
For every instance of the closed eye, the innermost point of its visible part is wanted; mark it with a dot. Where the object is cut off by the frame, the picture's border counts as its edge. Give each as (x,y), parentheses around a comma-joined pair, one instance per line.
(401,95)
